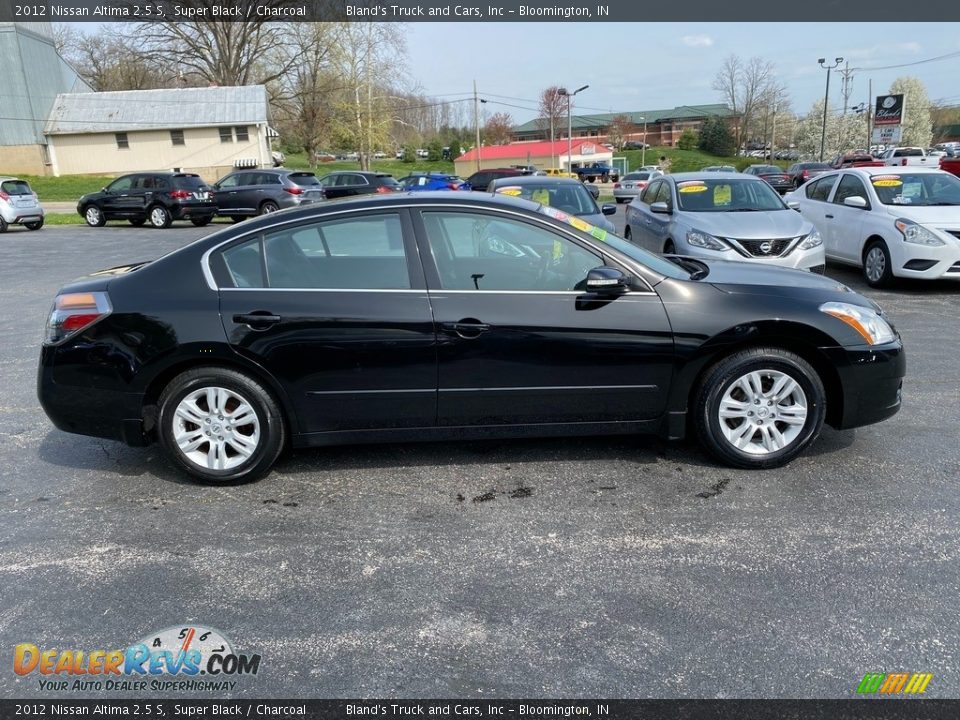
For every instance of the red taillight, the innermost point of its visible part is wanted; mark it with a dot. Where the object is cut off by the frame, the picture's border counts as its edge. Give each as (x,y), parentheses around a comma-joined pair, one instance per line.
(452,186)
(384,189)
(641,185)
(4,196)
(805,173)
(73,312)
(294,190)
(179,194)
(616,185)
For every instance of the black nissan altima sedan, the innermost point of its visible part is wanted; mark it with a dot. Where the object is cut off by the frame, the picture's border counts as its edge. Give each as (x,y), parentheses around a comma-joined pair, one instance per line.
(445,316)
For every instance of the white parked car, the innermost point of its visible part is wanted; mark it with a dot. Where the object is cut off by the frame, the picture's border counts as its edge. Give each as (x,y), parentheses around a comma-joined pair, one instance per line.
(890,222)
(19,205)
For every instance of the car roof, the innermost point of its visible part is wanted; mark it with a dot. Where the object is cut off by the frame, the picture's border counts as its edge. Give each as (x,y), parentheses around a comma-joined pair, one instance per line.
(537,180)
(708,175)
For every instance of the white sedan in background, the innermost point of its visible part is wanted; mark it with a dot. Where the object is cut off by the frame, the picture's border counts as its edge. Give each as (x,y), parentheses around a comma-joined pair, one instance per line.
(891,222)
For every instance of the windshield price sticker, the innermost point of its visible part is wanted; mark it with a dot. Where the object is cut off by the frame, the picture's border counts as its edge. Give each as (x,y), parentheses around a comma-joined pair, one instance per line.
(887,181)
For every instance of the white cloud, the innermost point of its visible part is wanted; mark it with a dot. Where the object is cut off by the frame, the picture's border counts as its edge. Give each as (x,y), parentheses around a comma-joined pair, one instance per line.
(697,40)
(913,47)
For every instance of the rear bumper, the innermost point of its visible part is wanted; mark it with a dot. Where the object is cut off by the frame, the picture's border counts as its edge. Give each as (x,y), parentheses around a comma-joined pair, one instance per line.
(871,380)
(18,215)
(185,212)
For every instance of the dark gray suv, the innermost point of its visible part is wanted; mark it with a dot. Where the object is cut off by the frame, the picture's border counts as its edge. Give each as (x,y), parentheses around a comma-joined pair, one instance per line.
(245,193)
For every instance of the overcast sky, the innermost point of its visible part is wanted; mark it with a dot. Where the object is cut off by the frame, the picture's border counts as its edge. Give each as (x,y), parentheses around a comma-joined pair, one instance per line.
(652,66)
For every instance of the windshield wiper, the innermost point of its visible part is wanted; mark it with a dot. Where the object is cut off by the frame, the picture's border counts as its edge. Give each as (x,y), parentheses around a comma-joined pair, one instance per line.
(697,269)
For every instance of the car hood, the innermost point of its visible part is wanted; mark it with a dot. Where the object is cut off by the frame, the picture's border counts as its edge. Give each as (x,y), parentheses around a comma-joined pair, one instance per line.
(744,278)
(750,225)
(930,215)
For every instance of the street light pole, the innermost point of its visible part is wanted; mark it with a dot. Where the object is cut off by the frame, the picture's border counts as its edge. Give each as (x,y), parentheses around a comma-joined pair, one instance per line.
(826,99)
(569,96)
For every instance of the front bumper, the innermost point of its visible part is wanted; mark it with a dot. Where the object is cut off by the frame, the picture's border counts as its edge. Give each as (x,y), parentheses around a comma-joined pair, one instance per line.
(871,380)
(798,259)
(925,262)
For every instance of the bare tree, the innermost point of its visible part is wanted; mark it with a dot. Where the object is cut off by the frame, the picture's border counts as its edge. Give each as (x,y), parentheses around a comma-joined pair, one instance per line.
(110,60)
(219,52)
(499,128)
(621,127)
(745,86)
(553,112)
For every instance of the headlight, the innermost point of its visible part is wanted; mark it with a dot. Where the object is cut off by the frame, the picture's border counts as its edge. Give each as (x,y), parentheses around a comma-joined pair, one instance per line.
(705,240)
(913,233)
(873,328)
(812,241)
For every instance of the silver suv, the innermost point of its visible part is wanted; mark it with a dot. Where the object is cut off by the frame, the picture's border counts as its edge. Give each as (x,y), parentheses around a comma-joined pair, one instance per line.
(19,205)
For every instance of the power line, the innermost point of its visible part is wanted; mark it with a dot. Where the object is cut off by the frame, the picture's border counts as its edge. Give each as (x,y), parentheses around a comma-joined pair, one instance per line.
(910,64)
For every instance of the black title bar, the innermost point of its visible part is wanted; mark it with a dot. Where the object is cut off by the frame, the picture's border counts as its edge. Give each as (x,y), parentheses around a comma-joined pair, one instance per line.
(473,10)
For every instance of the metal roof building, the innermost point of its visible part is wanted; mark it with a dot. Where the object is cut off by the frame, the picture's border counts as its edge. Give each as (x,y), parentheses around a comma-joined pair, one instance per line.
(33,75)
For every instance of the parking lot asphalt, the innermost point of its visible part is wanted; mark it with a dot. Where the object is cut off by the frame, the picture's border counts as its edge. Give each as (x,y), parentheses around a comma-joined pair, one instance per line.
(607,567)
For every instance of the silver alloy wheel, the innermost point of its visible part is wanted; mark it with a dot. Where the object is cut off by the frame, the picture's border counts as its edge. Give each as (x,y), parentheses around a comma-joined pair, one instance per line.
(762,412)
(92,215)
(216,428)
(268,208)
(875,264)
(158,217)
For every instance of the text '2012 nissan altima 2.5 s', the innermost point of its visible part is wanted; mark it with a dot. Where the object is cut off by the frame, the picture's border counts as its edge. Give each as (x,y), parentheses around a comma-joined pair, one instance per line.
(440,316)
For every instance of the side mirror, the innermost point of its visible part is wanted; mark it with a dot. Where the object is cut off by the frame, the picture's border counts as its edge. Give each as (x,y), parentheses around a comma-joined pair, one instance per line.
(609,209)
(607,281)
(855,201)
(103,189)
(794,205)
(662,208)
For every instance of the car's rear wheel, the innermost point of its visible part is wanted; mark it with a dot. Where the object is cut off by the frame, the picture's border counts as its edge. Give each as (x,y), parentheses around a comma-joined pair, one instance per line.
(137,222)
(876,265)
(237,218)
(269,207)
(201,221)
(160,217)
(220,426)
(759,408)
(36,225)
(3,225)
(94,216)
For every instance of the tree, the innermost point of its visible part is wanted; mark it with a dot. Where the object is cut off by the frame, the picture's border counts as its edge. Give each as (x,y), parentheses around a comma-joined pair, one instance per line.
(621,127)
(499,128)
(715,137)
(917,123)
(108,60)
(745,86)
(687,140)
(553,112)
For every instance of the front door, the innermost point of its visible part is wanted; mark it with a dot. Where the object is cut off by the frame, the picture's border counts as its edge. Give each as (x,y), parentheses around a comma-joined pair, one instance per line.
(336,310)
(843,229)
(521,342)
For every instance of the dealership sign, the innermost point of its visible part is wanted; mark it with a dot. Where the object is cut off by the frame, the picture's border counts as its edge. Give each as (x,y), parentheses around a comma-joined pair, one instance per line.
(889,135)
(889,110)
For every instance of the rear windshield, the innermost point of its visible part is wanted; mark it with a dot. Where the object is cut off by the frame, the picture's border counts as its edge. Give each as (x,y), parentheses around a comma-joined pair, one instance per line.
(304,179)
(909,152)
(637,176)
(815,166)
(188,182)
(388,180)
(767,169)
(15,187)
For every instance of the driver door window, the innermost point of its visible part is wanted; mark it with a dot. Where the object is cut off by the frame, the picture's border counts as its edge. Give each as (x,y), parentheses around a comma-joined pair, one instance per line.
(850,186)
(480,252)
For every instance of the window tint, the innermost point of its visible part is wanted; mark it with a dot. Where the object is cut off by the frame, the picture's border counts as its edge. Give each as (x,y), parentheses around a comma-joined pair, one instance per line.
(849,186)
(474,251)
(651,192)
(363,253)
(243,264)
(304,179)
(820,190)
(188,182)
(124,183)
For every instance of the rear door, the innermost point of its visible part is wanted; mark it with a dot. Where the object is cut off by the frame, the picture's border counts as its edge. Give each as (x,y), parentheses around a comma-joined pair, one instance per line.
(639,216)
(336,310)
(521,342)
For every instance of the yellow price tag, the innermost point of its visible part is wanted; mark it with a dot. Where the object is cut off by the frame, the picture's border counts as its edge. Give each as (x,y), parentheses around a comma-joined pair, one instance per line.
(541,195)
(722,195)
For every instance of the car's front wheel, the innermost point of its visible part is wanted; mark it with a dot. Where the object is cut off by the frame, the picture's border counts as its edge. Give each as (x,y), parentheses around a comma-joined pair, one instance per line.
(759,408)
(220,426)
(877,269)
(94,216)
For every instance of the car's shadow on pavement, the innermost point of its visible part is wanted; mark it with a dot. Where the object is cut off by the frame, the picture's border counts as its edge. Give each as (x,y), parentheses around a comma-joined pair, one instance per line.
(111,457)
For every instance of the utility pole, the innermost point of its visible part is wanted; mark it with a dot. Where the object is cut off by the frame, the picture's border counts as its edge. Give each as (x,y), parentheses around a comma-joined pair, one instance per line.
(476,119)
(826,100)
(869,113)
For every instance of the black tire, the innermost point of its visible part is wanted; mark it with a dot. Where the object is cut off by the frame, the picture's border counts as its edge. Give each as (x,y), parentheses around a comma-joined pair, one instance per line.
(201,221)
(591,178)
(725,376)
(669,248)
(137,222)
(34,225)
(237,218)
(620,201)
(267,207)
(272,428)
(159,217)
(94,216)
(604,178)
(877,268)
(3,225)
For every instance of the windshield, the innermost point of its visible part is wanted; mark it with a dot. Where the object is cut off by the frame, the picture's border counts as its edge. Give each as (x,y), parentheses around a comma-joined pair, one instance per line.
(654,262)
(917,189)
(573,198)
(727,195)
